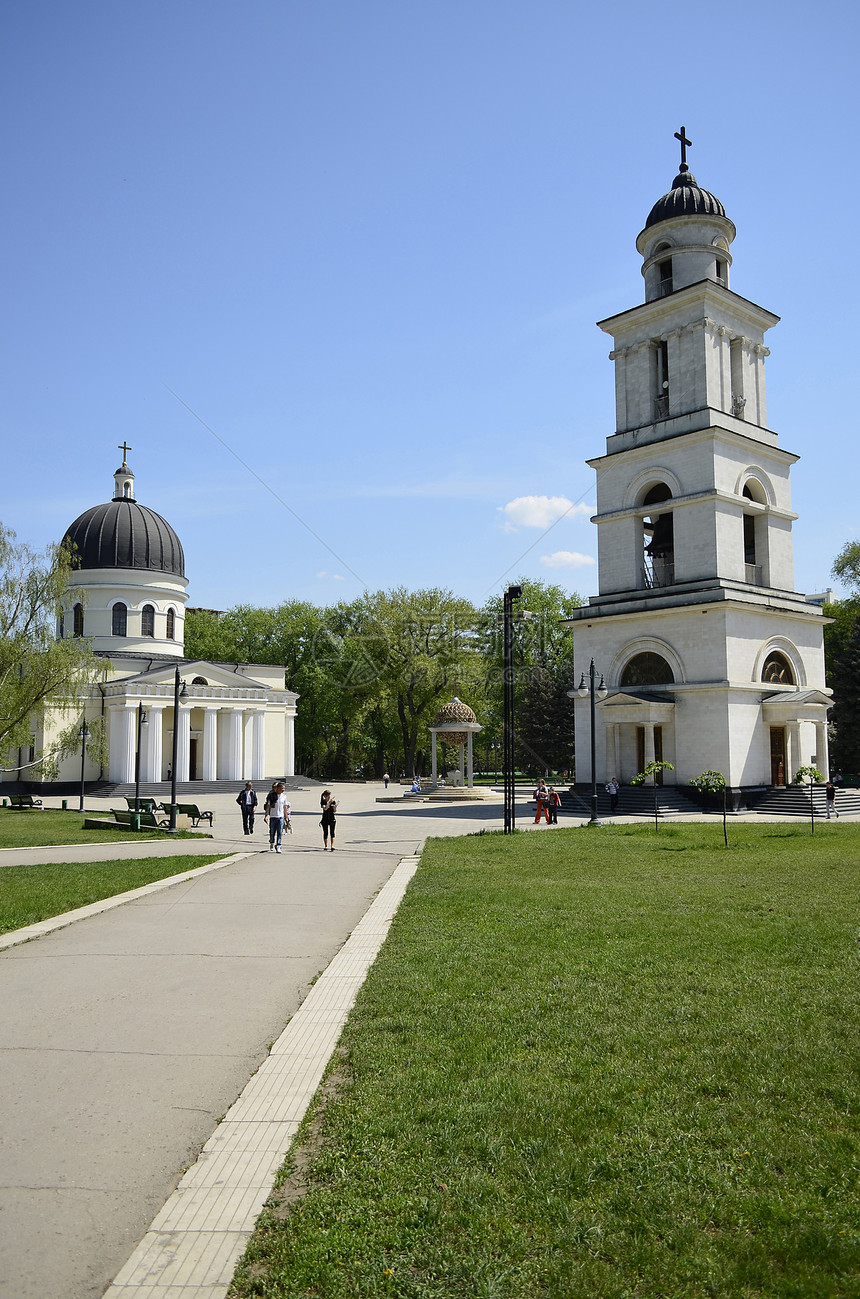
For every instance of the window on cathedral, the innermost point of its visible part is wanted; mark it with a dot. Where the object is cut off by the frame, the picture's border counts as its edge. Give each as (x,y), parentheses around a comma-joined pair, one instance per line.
(171,625)
(200,681)
(721,271)
(78,620)
(61,626)
(647,669)
(147,620)
(665,271)
(777,670)
(119,620)
(749,539)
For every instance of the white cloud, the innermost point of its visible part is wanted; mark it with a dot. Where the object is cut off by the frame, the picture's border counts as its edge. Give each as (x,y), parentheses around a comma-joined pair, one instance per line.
(539,511)
(334,577)
(567,559)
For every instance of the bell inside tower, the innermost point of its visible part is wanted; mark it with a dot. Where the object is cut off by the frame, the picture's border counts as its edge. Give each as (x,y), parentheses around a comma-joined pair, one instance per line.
(658,568)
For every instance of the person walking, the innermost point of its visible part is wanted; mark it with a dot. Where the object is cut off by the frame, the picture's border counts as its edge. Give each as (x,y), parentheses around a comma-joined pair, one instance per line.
(247,800)
(541,801)
(329,806)
(612,788)
(385,779)
(554,805)
(275,811)
(830,799)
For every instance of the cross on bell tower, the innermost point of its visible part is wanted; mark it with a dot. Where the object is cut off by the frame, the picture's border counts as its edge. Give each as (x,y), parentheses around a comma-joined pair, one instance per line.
(685,144)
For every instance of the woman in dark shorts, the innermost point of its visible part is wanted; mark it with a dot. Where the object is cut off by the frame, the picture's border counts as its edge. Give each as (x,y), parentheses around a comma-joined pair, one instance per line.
(329,807)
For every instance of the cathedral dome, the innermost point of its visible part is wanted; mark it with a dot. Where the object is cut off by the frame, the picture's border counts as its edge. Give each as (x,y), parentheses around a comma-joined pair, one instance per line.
(124,534)
(685,198)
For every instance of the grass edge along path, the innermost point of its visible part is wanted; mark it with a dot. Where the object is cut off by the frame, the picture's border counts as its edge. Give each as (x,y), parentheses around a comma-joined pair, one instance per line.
(52,828)
(591,1064)
(30,894)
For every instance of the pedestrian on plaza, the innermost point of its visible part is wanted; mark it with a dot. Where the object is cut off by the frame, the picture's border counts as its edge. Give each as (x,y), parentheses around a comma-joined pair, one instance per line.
(276,810)
(385,779)
(329,806)
(830,799)
(554,805)
(541,801)
(612,788)
(247,800)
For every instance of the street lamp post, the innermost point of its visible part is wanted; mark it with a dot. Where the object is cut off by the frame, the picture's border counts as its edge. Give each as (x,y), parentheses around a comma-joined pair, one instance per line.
(596,692)
(180,690)
(85,733)
(142,720)
(512,593)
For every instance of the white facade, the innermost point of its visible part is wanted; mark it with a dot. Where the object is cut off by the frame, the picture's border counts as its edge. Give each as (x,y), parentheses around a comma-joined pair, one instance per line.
(711,659)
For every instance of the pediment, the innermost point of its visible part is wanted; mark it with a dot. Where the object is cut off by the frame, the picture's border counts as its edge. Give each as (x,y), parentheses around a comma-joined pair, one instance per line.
(215,674)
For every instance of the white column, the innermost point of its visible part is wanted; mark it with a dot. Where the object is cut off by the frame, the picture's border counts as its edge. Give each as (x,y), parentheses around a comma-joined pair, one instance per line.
(248,719)
(230,748)
(616,751)
(470,770)
(649,749)
(122,743)
(462,765)
(151,749)
(290,742)
(210,743)
(821,749)
(258,753)
(183,750)
(433,757)
(793,758)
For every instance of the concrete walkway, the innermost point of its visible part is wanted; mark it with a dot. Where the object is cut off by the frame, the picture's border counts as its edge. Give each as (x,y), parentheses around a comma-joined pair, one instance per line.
(127,1035)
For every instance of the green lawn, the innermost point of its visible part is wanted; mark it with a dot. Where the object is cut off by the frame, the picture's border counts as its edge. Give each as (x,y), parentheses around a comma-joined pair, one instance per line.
(597,1063)
(35,828)
(31,893)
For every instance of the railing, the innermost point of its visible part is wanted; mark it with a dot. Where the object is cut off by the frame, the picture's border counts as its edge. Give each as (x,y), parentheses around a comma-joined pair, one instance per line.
(661,407)
(658,572)
(753,574)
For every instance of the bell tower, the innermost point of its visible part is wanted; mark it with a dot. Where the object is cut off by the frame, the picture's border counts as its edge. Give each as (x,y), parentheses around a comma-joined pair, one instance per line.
(695,561)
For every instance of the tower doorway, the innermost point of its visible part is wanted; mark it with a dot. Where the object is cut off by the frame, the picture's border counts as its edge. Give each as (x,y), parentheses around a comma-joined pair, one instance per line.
(192,759)
(658,750)
(777,755)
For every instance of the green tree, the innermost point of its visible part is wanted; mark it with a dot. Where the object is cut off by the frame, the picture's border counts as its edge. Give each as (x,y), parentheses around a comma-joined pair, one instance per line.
(846,567)
(35,667)
(652,771)
(713,783)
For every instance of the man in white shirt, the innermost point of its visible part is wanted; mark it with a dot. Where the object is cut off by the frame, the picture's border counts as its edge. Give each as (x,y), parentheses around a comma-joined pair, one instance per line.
(276,812)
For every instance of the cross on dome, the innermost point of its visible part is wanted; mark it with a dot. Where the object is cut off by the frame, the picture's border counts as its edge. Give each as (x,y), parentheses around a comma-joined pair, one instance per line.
(125,448)
(682,136)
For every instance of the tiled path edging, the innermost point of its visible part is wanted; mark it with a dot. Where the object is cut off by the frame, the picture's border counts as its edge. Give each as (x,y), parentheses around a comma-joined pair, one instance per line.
(192,1248)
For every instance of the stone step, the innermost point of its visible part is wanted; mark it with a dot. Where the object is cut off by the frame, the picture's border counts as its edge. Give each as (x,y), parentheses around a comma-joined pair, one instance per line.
(632,801)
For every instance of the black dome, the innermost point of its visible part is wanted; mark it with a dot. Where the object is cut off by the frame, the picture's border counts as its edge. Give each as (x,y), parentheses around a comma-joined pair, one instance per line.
(124,534)
(685,199)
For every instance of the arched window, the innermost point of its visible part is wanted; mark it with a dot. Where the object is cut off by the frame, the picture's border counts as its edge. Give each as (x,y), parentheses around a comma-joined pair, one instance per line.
(200,681)
(147,620)
(647,669)
(659,539)
(171,625)
(777,670)
(119,620)
(61,625)
(79,620)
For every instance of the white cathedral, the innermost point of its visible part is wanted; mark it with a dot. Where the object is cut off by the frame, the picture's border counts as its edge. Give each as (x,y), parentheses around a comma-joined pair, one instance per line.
(710,658)
(127,595)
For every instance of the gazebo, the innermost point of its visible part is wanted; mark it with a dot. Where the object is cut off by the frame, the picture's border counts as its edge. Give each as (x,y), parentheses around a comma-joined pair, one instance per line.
(455,723)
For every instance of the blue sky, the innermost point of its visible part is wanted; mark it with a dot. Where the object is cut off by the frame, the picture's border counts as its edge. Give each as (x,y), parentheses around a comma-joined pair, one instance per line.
(366,242)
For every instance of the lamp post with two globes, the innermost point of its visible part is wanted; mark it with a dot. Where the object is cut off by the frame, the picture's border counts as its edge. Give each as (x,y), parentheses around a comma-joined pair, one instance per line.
(583,690)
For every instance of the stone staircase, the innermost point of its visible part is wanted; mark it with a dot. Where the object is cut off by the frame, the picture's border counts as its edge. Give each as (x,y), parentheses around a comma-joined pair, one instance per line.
(793,800)
(632,801)
(192,790)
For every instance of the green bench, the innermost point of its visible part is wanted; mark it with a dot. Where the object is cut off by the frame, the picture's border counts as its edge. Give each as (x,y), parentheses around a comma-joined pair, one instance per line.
(21,801)
(145,804)
(148,820)
(191,810)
